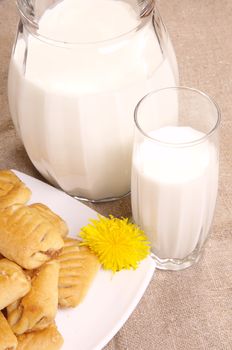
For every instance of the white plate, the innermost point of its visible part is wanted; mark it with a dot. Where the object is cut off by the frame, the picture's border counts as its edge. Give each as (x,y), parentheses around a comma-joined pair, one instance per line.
(111,298)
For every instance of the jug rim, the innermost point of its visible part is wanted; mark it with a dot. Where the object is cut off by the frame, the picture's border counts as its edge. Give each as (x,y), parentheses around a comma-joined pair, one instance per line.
(32,26)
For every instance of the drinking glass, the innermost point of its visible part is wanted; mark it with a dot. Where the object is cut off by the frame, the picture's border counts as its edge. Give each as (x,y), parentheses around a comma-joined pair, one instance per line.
(175,172)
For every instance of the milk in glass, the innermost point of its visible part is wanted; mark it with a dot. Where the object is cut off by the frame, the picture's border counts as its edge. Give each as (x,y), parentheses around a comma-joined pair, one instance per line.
(174,189)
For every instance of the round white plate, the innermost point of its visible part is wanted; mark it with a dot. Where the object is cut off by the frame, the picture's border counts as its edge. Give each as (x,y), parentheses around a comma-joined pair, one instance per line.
(111,298)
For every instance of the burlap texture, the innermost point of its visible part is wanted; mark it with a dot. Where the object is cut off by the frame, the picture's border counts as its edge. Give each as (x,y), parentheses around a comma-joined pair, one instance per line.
(191,309)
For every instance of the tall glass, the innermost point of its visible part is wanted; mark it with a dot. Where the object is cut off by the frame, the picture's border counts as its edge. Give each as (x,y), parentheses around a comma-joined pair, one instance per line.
(175,173)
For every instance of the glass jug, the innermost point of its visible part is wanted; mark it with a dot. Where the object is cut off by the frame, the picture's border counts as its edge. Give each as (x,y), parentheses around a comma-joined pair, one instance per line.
(77,70)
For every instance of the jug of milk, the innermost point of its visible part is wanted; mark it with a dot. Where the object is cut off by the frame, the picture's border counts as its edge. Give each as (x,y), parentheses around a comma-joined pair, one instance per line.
(77,69)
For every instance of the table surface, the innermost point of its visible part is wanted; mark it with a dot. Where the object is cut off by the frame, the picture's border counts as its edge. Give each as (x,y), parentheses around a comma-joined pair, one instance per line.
(190,309)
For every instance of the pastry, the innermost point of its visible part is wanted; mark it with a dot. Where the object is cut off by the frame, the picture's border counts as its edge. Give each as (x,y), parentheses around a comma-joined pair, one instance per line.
(14,284)
(46,339)
(54,219)
(27,237)
(8,340)
(38,308)
(12,189)
(78,267)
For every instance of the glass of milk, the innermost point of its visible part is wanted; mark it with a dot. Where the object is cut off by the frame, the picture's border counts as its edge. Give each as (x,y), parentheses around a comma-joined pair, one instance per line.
(77,69)
(175,173)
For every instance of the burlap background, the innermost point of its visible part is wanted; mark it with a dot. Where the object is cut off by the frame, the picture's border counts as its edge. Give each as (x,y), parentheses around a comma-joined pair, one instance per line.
(192,309)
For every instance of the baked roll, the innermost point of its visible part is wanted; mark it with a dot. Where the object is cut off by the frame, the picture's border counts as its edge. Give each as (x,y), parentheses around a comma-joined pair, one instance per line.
(46,339)
(12,190)
(78,267)
(53,218)
(27,237)
(38,308)
(14,284)
(8,340)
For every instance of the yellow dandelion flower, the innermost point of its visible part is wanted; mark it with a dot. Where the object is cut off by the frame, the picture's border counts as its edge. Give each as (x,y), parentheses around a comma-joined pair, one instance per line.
(118,243)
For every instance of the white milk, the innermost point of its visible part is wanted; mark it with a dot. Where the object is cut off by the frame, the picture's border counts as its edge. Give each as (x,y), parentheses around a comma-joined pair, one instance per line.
(73,105)
(174,190)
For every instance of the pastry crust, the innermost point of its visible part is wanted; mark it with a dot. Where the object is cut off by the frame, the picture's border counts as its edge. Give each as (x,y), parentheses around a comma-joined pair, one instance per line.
(38,308)
(14,284)
(78,267)
(47,339)
(8,340)
(53,218)
(27,237)
(12,190)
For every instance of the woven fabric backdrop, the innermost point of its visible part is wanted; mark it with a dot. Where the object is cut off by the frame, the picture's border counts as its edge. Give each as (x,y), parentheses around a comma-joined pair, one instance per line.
(191,309)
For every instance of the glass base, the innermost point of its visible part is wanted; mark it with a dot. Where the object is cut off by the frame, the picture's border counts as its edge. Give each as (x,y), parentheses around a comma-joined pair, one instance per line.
(176,264)
(103,200)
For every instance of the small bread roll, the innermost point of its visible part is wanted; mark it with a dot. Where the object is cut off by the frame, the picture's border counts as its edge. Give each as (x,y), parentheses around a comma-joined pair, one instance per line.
(14,284)
(53,218)
(7,338)
(38,308)
(78,267)
(12,190)
(46,339)
(27,237)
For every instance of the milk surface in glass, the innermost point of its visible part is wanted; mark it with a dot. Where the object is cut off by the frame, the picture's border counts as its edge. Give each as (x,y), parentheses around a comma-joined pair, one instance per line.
(174,190)
(73,105)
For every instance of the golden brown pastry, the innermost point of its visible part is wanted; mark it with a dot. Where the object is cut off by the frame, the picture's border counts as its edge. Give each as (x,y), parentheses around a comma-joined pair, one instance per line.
(26,237)
(12,189)
(14,284)
(8,340)
(38,308)
(78,267)
(46,339)
(54,219)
